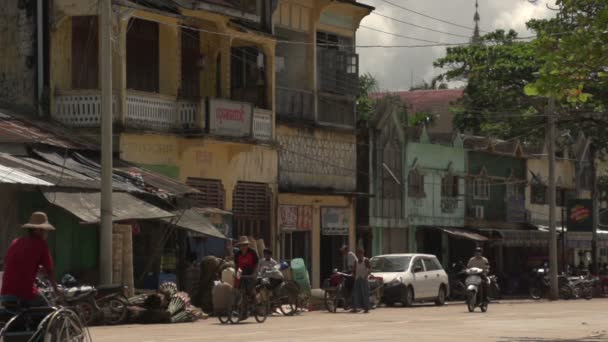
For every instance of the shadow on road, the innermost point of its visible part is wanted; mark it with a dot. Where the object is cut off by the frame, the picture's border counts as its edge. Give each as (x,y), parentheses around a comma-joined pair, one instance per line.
(595,338)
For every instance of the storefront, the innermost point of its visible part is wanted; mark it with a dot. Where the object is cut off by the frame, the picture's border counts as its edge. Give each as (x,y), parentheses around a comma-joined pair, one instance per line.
(314,227)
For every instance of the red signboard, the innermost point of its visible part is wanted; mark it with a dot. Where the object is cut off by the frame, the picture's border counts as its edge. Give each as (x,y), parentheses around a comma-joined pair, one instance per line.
(230,117)
(295,217)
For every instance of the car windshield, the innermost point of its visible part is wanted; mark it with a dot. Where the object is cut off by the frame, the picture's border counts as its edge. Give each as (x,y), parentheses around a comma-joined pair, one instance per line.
(390,263)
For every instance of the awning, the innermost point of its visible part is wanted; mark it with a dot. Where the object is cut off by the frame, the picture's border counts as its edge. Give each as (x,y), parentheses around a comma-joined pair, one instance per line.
(521,238)
(86,206)
(9,175)
(195,221)
(459,233)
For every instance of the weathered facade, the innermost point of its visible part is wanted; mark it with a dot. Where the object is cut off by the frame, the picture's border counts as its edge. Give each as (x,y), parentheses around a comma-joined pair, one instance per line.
(380,157)
(19,54)
(317,80)
(436,169)
(194,94)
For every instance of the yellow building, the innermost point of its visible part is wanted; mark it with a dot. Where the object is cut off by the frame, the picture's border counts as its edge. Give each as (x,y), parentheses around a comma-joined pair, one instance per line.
(194,95)
(316,85)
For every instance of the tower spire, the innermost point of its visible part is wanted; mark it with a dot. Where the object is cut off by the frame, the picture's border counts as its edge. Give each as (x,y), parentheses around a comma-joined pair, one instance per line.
(476,39)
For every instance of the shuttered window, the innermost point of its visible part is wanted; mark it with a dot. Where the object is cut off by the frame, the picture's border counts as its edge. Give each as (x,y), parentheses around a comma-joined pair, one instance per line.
(191,46)
(85,52)
(143,56)
(212,194)
(251,207)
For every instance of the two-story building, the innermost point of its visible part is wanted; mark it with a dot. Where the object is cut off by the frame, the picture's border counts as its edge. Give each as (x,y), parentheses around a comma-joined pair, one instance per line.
(316,84)
(193,94)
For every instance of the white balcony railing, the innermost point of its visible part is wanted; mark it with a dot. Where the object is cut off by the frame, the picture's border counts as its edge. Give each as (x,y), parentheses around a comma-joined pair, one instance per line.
(80,108)
(262,124)
(150,111)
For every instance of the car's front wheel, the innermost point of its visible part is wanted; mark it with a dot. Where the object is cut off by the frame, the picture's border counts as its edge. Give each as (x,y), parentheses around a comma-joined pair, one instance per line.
(441,295)
(408,296)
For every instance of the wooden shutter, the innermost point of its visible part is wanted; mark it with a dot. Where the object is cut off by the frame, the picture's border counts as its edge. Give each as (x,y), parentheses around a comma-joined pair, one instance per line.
(143,56)
(212,194)
(251,207)
(85,52)
(191,46)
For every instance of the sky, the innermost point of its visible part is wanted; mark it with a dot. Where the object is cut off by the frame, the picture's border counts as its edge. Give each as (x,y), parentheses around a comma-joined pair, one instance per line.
(394,67)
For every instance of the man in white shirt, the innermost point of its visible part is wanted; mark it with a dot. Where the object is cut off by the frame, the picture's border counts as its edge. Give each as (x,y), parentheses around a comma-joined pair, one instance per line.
(350,259)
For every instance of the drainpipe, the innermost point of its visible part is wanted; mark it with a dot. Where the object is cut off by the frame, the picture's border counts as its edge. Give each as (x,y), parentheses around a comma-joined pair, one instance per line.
(40,52)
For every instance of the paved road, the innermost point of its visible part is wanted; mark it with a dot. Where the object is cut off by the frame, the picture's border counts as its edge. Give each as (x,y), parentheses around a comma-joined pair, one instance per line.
(564,321)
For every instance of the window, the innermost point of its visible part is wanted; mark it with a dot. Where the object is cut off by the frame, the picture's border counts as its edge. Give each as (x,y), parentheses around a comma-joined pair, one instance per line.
(514,189)
(481,188)
(539,194)
(191,45)
(85,52)
(417,264)
(430,265)
(143,56)
(248,75)
(415,184)
(449,186)
(211,193)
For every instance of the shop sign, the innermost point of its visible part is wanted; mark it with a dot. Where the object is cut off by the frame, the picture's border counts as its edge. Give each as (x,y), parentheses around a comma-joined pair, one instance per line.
(334,221)
(230,118)
(516,210)
(580,215)
(295,217)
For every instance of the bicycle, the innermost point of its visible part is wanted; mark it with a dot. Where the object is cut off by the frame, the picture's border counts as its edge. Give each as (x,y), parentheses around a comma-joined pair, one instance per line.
(336,292)
(46,324)
(244,305)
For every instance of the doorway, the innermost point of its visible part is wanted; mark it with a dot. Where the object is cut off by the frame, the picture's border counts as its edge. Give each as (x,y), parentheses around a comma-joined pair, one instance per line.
(330,254)
(298,245)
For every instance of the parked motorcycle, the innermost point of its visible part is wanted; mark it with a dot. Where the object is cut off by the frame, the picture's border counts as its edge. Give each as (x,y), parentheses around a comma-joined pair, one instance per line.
(457,277)
(475,295)
(106,303)
(578,287)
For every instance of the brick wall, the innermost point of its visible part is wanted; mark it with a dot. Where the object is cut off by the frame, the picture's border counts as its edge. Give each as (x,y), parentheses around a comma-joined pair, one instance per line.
(18,53)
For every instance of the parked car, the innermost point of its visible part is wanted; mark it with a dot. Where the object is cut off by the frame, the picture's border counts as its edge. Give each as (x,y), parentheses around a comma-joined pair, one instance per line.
(410,278)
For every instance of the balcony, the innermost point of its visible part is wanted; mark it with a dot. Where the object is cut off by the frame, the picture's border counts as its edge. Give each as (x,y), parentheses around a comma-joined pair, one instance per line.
(144,110)
(295,104)
(155,112)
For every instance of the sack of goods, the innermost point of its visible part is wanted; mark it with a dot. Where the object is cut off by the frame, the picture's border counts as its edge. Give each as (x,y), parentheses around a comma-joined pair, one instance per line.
(228,276)
(223,296)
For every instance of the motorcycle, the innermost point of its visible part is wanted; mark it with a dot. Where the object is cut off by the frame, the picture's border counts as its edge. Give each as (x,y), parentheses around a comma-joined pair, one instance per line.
(457,277)
(578,287)
(106,303)
(475,295)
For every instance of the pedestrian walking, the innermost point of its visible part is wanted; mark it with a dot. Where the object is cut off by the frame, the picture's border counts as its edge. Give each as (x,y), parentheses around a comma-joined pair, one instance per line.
(361,289)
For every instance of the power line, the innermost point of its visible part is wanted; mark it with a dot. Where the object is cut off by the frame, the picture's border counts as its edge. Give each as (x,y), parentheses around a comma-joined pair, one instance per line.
(401,36)
(419,26)
(428,16)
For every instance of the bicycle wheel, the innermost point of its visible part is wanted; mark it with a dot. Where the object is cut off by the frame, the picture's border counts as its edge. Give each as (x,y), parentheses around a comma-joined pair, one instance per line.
(287,299)
(64,325)
(330,300)
(261,310)
(86,311)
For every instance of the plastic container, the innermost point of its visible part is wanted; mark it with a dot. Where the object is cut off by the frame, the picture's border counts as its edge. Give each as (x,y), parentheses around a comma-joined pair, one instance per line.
(228,276)
(300,274)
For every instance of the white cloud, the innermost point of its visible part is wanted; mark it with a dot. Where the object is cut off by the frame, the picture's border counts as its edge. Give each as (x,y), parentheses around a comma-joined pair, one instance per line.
(393,67)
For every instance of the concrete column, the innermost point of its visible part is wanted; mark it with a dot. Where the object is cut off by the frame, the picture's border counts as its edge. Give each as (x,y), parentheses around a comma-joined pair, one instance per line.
(120,71)
(316,246)
(412,242)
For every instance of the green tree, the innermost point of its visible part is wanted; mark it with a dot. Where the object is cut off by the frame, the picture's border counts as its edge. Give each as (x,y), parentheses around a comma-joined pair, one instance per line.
(496,71)
(365,102)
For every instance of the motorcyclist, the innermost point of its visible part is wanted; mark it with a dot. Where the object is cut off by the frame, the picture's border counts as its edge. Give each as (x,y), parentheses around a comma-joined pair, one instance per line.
(479,261)
(267,262)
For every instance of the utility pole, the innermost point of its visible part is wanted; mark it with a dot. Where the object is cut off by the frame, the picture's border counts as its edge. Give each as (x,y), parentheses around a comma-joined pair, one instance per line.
(596,211)
(105,56)
(550,113)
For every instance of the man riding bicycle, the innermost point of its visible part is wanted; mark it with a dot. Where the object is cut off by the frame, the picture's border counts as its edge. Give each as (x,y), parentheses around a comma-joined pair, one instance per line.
(246,260)
(24,258)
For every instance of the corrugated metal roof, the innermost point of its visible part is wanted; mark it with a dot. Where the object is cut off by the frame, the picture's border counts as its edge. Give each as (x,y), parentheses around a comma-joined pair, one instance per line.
(86,206)
(10,175)
(193,220)
(14,129)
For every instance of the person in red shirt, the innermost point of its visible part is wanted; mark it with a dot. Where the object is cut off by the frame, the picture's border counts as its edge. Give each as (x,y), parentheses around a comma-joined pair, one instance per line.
(24,259)
(246,260)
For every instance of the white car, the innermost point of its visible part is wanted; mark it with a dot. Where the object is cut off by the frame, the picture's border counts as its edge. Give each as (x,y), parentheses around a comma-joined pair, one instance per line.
(410,278)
